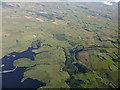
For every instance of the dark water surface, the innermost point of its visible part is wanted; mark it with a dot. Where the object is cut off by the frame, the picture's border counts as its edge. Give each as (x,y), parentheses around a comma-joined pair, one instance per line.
(13,79)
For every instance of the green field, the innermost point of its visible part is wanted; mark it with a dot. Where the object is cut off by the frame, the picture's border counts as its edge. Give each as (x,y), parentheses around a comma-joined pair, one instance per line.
(81,40)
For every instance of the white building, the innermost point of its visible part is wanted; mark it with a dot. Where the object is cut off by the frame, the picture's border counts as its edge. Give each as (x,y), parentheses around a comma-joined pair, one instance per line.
(34,36)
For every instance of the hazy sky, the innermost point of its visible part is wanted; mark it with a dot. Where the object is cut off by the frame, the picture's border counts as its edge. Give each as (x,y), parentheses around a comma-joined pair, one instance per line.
(58,0)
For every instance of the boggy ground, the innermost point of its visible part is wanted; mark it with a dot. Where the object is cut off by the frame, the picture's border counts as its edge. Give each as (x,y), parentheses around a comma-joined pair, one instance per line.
(79,42)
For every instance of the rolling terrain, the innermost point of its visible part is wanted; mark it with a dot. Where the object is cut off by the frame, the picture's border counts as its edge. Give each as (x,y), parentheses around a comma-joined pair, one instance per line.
(62,45)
